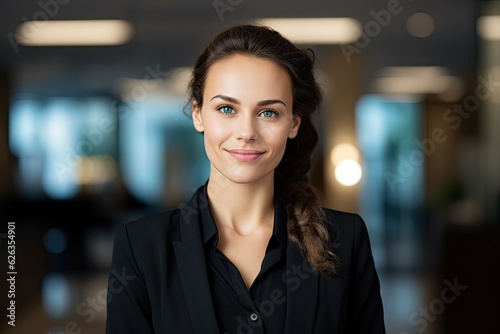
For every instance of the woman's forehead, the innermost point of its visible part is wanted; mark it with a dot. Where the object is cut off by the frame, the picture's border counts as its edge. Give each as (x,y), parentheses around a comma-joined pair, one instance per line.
(248,76)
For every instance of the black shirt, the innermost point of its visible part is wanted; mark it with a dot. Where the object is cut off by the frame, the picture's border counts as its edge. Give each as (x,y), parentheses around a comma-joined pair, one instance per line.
(262,308)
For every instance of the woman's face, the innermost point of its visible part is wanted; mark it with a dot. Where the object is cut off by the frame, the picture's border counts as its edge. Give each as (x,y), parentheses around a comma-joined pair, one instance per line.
(246,117)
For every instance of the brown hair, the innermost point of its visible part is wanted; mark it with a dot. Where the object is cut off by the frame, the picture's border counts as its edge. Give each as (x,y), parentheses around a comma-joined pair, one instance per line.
(306,225)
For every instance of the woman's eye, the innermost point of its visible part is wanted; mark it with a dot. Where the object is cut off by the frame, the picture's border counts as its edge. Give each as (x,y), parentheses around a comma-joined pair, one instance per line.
(226,110)
(269,113)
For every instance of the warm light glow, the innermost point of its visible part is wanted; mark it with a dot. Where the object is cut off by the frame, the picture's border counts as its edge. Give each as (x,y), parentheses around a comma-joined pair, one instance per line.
(408,85)
(348,172)
(337,30)
(95,170)
(343,152)
(415,80)
(420,25)
(488,27)
(66,33)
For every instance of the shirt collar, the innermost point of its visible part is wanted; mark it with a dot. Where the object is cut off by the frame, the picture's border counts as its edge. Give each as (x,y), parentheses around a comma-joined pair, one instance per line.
(209,229)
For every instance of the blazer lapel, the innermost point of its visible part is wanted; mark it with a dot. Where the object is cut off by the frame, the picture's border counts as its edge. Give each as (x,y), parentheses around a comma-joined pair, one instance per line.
(302,293)
(192,268)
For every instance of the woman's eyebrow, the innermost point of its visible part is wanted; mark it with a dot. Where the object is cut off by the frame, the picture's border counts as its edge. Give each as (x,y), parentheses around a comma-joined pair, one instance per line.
(236,101)
(226,98)
(267,102)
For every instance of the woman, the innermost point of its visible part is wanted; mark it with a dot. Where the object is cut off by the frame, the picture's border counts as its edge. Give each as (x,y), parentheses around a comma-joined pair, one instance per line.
(252,251)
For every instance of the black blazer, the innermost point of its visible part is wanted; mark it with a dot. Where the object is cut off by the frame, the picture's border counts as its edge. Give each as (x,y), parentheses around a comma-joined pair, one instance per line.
(158,280)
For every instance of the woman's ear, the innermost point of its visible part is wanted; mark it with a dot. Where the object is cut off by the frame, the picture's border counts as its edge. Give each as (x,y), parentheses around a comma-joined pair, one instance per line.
(197,119)
(295,126)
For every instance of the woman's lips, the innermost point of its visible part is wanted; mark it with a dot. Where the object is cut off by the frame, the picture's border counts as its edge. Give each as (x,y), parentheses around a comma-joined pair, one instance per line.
(245,155)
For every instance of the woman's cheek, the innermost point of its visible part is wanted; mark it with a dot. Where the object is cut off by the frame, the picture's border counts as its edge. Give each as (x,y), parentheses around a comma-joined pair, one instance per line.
(219,131)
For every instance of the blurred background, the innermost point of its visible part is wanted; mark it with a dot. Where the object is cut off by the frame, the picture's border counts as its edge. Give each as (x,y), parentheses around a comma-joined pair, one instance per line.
(93,133)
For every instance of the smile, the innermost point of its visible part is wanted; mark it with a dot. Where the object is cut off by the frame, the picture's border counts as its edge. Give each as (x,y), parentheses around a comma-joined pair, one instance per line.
(245,155)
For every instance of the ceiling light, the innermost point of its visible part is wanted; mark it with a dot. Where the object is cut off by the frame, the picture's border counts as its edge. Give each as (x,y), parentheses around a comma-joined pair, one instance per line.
(73,33)
(413,71)
(415,80)
(420,25)
(488,27)
(316,30)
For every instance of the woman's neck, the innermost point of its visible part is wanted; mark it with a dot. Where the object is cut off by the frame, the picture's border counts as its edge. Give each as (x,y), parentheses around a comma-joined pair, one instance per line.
(241,207)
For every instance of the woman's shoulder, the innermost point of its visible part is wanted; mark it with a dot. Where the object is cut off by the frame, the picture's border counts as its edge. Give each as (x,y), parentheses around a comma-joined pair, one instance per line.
(151,227)
(343,219)
(345,227)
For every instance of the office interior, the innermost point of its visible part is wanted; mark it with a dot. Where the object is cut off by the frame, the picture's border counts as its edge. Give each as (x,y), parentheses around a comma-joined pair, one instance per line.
(95,132)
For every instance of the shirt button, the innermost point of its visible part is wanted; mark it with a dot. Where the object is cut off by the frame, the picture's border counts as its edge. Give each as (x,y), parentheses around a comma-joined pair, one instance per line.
(254,316)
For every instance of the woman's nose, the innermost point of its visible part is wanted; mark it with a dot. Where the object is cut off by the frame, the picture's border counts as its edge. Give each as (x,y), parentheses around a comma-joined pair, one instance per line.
(246,129)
